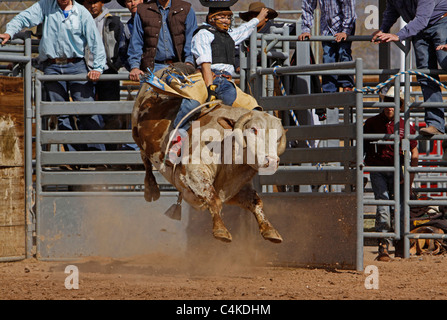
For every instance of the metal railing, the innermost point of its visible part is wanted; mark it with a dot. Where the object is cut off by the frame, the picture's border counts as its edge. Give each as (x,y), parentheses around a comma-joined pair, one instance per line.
(351,130)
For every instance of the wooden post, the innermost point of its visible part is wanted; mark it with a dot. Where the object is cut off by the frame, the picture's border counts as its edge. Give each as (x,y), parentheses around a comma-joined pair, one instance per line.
(12,170)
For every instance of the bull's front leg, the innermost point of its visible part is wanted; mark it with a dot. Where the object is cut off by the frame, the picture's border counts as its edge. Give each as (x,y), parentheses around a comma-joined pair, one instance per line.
(151,190)
(199,182)
(248,198)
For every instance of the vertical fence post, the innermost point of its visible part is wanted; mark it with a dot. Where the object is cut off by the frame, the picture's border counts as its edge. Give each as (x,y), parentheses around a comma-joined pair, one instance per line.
(359,160)
(30,219)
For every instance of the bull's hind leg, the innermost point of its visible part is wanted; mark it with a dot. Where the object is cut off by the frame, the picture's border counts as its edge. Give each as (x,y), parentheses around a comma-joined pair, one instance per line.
(151,190)
(248,198)
(200,184)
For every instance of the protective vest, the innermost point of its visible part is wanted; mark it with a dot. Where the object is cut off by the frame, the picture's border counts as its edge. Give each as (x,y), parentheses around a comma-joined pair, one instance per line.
(151,20)
(222,47)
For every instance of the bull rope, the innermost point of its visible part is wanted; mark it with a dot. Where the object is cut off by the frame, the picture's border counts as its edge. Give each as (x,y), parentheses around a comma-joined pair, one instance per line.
(181,122)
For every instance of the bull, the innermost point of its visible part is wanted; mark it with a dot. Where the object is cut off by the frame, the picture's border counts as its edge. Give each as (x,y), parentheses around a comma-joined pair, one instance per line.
(206,185)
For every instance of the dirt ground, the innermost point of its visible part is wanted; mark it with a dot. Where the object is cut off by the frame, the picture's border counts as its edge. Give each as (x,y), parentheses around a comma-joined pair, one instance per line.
(161,277)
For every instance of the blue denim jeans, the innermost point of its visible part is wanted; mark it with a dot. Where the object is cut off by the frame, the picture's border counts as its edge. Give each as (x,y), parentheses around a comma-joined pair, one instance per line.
(383,187)
(225,91)
(336,52)
(427,57)
(79,91)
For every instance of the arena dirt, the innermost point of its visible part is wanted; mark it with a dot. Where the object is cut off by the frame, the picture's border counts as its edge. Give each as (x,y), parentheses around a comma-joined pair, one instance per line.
(162,277)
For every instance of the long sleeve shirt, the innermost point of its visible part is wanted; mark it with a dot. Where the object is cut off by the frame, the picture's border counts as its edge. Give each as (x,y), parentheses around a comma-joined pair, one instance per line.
(62,37)
(418,14)
(383,154)
(336,16)
(165,46)
(201,44)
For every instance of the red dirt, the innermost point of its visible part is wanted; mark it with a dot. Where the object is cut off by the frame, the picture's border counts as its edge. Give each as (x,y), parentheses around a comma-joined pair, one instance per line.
(160,277)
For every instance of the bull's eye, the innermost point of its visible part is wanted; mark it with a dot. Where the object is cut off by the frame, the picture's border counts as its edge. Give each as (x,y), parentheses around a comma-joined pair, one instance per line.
(254,130)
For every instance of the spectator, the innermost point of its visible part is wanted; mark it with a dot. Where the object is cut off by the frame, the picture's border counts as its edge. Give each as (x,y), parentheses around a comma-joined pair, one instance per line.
(253,11)
(383,182)
(131,5)
(263,26)
(426,26)
(338,20)
(67,28)
(213,46)
(162,35)
(111,29)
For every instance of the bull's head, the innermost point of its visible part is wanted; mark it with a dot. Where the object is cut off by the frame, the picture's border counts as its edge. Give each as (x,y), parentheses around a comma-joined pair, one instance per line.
(263,139)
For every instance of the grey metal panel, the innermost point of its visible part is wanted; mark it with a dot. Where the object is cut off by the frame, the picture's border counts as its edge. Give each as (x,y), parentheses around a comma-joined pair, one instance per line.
(97,177)
(309,178)
(91,136)
(320,132)
(306,101)
(318,155)
(91,157)
(109,225)
(309,224)
(82,108)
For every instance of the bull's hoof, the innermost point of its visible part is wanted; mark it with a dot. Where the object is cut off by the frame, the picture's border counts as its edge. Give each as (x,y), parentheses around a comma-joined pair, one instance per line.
(151,193)
(222,235)
(272,235)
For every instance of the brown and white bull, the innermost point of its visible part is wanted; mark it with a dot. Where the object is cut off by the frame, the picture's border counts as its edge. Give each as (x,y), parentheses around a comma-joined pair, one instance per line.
(206,186)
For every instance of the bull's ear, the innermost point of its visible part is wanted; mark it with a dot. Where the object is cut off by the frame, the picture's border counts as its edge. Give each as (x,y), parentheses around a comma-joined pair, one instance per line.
(226,123)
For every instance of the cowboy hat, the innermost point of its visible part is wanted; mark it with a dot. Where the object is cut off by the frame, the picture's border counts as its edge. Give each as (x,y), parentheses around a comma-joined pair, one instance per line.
(390,94)
(218,3)
(82,1)
(255,7)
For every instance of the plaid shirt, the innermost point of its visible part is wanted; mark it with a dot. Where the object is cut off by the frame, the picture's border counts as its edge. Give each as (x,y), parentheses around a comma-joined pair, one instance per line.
(336,16)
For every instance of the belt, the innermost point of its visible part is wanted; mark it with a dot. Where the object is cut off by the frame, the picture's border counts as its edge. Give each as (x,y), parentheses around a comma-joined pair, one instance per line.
(64,60)
(164,62)
(223,75)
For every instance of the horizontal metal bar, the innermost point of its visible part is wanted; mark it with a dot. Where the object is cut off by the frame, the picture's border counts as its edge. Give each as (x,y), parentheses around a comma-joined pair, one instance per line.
(306,68)
(127,177)
(426,236)
(91,136)
(90,157)
(321,132)
(318,155)
(307,167)
(433,202)
(379,235)
(82,77)
(115,194)
(378,169)
(15,58)
(85,108)
(12,258)
(308,101)
(379,202)
(427,169)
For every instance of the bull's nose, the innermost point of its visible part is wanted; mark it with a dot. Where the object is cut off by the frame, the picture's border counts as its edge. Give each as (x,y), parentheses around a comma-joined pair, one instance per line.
(271,161)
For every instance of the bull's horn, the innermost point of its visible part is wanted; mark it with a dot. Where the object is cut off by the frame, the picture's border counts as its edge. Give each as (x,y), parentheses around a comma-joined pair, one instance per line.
(239,126)
(240,123)
(282,144)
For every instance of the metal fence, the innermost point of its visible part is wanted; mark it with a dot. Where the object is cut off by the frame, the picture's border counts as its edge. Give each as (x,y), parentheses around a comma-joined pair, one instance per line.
(341,165)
